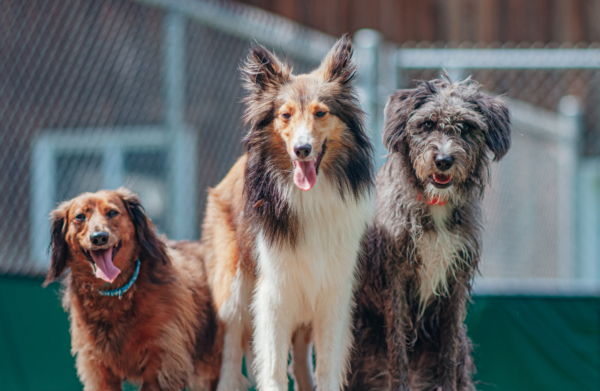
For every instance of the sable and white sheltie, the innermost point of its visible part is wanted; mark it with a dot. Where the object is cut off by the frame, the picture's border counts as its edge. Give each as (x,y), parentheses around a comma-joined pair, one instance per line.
(283,229)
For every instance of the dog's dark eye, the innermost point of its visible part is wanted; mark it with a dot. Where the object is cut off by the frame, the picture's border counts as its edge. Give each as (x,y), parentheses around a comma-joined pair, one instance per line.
(320,114)
(465,128)
(112,214)
(428,124)
(80,217)
(286,115)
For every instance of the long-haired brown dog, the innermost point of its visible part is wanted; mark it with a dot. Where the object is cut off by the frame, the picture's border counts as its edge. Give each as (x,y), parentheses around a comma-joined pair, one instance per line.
(139,310)
(424,247)
(283,229)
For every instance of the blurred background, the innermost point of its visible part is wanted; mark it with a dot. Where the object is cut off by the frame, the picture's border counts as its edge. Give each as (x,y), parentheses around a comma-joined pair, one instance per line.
(102,93)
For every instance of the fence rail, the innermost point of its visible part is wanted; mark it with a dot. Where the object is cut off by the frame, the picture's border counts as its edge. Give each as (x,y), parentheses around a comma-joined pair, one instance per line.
(498,58)
(251,24)
(76,83)
(537,223)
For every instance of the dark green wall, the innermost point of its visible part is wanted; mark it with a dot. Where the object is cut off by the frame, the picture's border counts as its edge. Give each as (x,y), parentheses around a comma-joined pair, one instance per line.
(536,343)
(521,343)
(34,338)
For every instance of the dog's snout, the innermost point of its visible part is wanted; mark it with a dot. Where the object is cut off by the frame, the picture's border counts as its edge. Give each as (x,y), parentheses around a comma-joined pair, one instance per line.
(302,151)
(99,238)
(444,162)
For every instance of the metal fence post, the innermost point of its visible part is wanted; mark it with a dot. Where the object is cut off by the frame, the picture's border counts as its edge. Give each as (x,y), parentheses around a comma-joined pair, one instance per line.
(43,192)
(368,44)
(588,227)
(568,166)
(182,160)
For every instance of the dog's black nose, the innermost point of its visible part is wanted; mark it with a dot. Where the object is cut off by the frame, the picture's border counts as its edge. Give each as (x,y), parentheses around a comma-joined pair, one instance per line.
(99,238)
(444,162)
(303,151)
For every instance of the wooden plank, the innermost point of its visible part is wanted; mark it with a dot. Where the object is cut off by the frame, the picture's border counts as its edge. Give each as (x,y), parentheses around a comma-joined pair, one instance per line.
(503,31)
(441,21)
(575,22)
(560,20)
(469,20)
(517,20)
(426,25)
(324,16)
(285,8)
(390,19)
(344,12)
(449,20)
(303,10)
(487,23)
(591,24)
(539,26)
(411,19)
(364,14)
(401,30)
(453,11)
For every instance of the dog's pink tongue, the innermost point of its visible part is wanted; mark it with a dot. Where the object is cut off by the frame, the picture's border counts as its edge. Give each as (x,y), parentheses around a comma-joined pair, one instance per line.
(104,265)
(305,175)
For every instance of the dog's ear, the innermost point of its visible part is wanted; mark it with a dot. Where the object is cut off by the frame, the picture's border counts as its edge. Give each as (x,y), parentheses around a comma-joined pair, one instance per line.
(263,70)
(151,247)
(339,65)
(59,249)
(497,116)
(396,115)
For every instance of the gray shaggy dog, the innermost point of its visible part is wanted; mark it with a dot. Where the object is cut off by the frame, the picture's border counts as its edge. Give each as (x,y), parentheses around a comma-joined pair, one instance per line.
(424,246)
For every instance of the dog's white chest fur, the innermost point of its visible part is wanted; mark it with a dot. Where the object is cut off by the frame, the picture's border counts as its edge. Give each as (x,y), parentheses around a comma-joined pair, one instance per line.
(325,255)
(439,254)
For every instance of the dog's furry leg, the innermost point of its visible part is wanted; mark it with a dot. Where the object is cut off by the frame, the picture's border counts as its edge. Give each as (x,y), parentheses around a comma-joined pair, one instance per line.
(452,316)
(395,314)
(466,367)
(369,364)
(95,376)
(250,363)
(150,385)
(213,384)
(273,326)
(333,337)
(301,367)
(236,317)
(231,378)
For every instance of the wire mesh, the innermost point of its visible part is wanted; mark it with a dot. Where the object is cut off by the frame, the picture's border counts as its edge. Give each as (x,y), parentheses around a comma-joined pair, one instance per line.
(83,92)
(86,91)
(521,237)
(540,87)
(523,231)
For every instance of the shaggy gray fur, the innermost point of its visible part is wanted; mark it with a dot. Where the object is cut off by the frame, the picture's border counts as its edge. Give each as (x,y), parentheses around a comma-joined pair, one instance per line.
(400,342)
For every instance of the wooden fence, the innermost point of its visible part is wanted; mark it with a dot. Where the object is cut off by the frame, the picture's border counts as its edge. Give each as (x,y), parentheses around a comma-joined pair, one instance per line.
(546,22)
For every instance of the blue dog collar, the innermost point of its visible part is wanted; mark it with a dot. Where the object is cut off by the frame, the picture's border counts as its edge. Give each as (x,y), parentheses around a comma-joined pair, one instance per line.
(121,291)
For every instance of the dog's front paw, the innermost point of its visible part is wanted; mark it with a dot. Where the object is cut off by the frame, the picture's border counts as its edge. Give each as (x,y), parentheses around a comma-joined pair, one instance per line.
(273,385)
(327,382)
(234,383)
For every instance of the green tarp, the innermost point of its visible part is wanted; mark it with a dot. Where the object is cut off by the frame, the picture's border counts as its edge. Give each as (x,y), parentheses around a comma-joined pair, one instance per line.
(536,343)
(521,343)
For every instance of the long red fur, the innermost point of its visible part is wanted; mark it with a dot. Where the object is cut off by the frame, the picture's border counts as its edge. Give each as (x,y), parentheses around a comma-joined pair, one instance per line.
(163,332)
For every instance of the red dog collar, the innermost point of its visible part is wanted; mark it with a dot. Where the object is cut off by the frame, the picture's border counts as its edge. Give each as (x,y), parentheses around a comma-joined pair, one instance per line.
(435,200)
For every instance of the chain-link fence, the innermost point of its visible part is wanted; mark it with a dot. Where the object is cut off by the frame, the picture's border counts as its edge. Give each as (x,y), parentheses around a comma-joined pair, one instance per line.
(533,217)
(98,94)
